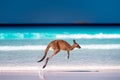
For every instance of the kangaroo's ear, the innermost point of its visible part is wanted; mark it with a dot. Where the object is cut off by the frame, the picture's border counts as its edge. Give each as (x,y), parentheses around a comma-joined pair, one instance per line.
(74,41)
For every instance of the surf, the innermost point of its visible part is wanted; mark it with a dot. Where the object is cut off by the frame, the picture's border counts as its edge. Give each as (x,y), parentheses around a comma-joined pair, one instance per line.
(43,47)
(37,35)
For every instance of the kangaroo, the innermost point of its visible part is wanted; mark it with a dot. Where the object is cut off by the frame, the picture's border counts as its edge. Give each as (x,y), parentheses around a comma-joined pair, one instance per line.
(58,45)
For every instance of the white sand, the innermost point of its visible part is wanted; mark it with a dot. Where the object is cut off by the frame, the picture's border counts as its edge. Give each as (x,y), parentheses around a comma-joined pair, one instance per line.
(61,75)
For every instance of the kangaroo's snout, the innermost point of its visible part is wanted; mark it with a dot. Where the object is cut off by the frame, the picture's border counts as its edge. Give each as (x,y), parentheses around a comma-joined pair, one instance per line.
(79,47)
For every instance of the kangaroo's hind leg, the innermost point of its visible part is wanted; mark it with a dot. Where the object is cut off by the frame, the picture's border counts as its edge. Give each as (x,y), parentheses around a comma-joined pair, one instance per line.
(68,54)
(55,52)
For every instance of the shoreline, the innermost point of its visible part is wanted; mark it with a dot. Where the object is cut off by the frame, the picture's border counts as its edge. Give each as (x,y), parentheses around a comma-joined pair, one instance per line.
(74,71)
(69,67)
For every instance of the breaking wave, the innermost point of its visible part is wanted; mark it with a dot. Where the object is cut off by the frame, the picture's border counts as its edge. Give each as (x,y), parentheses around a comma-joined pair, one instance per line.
(89,36)
(43,47)
(57,36)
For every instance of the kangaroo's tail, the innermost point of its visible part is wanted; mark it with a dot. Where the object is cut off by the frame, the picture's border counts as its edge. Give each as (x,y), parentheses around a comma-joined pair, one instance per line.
(45,53)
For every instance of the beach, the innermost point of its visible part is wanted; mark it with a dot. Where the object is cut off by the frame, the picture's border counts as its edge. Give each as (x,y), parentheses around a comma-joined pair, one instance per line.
(97,59)
(105,74)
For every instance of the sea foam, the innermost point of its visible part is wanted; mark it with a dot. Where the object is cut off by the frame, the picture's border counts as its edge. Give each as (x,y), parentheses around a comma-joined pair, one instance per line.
(57,68)
(43,47)
(88,36)
(57,36)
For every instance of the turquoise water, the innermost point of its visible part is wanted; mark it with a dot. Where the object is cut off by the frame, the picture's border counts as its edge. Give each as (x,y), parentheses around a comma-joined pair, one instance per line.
(25,46)
(55,32)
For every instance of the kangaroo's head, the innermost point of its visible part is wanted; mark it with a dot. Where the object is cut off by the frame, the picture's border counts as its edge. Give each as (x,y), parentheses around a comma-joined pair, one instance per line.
(76,44)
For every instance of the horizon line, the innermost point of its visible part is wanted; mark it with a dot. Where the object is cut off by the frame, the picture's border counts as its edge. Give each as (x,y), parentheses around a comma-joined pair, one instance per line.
(58,24)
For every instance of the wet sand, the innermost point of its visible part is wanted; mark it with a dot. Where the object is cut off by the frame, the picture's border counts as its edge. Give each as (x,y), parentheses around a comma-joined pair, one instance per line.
(61,75)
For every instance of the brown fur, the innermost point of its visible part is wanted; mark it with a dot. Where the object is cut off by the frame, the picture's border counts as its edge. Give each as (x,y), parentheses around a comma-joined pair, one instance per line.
(58,45)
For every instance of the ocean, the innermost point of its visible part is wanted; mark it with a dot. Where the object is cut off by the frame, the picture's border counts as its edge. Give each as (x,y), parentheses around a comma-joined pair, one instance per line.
(21,48)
